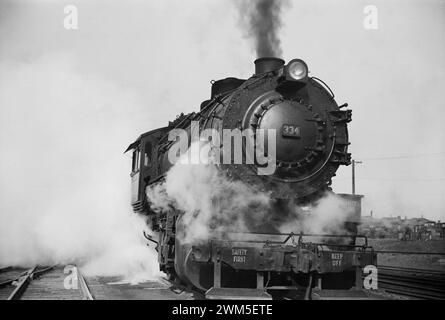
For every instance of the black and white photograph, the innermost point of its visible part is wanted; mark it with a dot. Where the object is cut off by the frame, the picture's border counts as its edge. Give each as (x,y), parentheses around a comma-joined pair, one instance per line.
(215,153)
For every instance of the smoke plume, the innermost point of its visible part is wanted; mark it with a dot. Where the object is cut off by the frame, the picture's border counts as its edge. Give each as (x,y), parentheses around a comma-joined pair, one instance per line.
(261,21)
(63,178)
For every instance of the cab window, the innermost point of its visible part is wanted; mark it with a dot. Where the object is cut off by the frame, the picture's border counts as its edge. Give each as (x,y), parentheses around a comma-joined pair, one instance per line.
(135,163)
(147,154)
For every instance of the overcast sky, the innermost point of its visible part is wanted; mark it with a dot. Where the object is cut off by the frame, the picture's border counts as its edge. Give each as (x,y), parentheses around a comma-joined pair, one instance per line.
(163,55)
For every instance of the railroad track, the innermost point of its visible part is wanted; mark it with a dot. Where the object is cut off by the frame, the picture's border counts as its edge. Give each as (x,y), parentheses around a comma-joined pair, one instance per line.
(43,283)
(412,282)
(49,283)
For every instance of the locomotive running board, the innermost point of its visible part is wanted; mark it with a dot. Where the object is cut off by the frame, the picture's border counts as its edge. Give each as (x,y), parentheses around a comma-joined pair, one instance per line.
(237,294)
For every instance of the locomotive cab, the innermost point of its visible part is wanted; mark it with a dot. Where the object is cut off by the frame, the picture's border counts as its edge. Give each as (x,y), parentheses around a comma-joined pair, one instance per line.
(135,173)
(144,168)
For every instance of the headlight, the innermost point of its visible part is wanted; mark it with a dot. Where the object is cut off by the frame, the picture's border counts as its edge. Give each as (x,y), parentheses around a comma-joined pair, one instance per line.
(296,70)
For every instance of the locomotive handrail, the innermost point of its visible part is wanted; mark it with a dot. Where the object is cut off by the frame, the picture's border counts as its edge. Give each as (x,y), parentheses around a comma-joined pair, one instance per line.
(324,83)
(336,236)
(219,96)
(301,235)
(320,245)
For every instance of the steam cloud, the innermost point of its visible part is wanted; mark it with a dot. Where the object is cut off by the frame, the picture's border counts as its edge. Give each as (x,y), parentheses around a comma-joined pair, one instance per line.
(212,204)
(326,216)
(261,20)
(65,187)
(210,201)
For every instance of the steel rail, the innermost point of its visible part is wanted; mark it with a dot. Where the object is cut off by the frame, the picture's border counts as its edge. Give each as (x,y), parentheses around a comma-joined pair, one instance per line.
(38,273)
(7,282)
(412,282)
(415,285)
(22,284)
(10,281)
(84,289)
(410,252)
(412,270)
(23,281)
(4,269)
(411,291)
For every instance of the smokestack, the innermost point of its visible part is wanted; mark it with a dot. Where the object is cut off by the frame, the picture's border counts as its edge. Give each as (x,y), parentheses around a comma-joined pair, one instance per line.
(268,64)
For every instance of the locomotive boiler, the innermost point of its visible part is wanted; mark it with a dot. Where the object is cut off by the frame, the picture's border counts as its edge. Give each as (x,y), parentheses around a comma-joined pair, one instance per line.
(310,143)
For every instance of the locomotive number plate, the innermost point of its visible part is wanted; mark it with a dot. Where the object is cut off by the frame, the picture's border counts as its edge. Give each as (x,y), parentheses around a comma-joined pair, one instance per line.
(289,130)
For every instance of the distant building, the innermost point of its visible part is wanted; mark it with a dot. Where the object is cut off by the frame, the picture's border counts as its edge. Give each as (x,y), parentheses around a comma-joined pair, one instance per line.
(402,229)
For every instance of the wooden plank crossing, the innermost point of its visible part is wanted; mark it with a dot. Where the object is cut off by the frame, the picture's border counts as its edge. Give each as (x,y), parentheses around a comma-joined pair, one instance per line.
(37,283)
(105,288)
(50,286)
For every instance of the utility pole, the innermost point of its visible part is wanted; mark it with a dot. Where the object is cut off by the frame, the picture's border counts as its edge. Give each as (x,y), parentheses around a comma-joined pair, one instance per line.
(353,174)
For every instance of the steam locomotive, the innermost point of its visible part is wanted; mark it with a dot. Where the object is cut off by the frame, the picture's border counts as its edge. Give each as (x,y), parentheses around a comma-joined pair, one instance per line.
(311,143)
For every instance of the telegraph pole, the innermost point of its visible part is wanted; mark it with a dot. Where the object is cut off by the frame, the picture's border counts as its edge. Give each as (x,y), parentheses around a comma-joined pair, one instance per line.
(353,174)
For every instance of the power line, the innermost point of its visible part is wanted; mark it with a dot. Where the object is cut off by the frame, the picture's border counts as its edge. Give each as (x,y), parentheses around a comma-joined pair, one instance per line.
(405,156)
(395,179)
